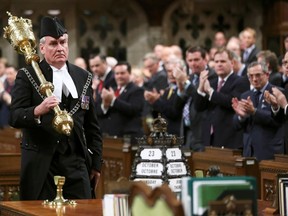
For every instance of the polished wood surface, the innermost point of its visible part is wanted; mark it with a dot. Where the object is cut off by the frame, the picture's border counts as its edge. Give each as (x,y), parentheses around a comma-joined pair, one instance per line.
(29,208)
(83,207)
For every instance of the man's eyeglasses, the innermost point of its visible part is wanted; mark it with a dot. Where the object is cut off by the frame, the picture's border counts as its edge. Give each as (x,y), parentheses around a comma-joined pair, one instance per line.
(251,76)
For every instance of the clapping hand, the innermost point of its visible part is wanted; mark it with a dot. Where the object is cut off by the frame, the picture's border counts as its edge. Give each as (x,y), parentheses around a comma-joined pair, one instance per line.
(151,96)
(181,77)
(107,96)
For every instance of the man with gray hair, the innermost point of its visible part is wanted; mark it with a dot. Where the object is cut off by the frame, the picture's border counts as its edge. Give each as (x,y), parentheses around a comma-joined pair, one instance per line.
(158,79)
(263,136)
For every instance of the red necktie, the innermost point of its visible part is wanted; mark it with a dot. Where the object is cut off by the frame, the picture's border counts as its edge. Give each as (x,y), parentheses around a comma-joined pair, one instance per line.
(117,92)
(220,84)
(100,86)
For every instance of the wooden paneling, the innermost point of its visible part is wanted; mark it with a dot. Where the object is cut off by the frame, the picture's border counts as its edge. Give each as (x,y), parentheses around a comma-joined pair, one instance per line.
(269,170)
(118,158)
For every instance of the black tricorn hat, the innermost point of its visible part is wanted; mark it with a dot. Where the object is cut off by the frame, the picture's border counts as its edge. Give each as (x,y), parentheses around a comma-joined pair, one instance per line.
(52,27)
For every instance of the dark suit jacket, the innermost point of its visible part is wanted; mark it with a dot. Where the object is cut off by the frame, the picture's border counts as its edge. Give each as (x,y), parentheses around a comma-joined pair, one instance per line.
(220,113)
(4,108)
(157,81)
(283,119)
(197,118)
(108,82)
(4,114)
(244,71)
(263,136)
(252,57)
(124,117)
(165,105)
(40,141)
(275,78)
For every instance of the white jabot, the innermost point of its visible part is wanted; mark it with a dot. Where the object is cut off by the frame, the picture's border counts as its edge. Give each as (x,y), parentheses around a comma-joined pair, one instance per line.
(62,81)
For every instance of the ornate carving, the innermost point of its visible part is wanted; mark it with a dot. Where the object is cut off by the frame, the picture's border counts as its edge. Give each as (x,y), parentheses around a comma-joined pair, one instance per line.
(9,193)
(221,25)
(114,167)
(269,190)
(195,26)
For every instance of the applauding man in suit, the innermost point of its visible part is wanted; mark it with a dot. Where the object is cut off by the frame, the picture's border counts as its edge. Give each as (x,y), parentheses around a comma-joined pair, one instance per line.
(263,135)
(215,96)
(122,107)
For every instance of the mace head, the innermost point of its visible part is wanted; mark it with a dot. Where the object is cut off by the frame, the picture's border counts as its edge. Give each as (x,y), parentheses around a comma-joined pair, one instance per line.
(19,31)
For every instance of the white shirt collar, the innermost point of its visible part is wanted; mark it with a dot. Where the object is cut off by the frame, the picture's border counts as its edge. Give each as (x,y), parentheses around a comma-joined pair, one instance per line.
(62,81)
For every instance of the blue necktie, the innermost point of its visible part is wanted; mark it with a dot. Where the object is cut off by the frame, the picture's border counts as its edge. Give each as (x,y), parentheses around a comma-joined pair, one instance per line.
(257,97)
(186,112)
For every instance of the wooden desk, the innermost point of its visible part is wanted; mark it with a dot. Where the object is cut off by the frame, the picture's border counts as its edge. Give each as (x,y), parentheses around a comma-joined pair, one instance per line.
(83,207)
(29,208)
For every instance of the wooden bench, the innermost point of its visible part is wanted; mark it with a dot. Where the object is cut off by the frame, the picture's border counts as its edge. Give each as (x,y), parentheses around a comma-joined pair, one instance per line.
(230,161)
(10,156)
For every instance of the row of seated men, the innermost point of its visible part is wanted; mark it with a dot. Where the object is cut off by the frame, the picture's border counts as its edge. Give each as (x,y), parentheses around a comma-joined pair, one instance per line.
(208,106)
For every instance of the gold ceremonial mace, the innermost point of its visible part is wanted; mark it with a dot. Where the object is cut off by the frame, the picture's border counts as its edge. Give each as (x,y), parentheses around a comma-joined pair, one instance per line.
(20,35)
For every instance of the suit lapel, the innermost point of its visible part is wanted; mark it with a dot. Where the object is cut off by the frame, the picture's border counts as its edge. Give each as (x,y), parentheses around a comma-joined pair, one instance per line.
(124,93)
(77,78)
(46,70)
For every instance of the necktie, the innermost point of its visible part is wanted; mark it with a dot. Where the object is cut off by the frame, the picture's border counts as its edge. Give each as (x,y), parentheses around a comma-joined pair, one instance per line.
(257,98)
(186,112)
(245,55)
(117,92)
(100,86)
(220,85)
(195,80)
(170,93)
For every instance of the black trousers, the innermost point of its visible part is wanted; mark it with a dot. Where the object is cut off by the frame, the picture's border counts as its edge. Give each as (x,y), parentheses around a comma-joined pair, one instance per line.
(77,183)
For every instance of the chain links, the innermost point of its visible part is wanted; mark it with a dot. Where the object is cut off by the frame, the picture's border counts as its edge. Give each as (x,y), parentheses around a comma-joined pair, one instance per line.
(77,106)
(33,82)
